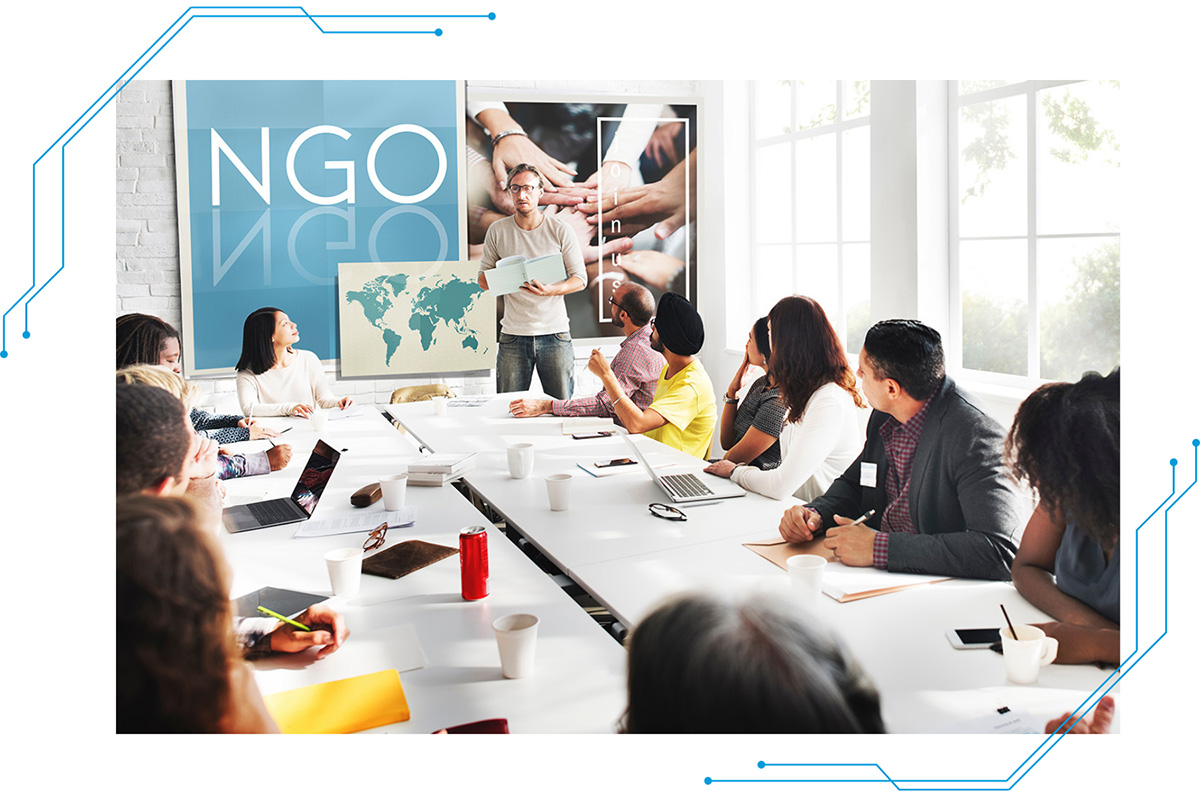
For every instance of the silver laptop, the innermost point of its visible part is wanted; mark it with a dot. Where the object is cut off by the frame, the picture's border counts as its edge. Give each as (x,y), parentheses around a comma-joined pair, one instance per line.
(296,508)
(686,484)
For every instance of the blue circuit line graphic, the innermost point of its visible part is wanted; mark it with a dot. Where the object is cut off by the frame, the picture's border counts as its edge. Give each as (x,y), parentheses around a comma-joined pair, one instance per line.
(1048,743)
(157,46)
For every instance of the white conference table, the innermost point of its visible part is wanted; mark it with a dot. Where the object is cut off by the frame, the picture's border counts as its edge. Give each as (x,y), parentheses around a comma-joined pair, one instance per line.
(578,685)
(630,561)
(608,518)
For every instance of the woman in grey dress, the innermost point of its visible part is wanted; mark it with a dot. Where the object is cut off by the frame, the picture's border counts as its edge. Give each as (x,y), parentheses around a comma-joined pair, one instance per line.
(1066,442)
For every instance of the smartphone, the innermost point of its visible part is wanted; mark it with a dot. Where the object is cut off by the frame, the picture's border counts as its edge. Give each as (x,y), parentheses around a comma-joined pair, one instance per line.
(592,435)
(616,462)
(972,638)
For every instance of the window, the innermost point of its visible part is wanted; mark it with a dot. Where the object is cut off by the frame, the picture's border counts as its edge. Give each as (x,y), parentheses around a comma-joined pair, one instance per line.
(810,203)
(1035,249)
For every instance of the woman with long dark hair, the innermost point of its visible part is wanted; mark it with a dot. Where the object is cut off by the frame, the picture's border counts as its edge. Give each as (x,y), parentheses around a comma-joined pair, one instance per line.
(821,435)
(1066,443)
(144,339)
(274,379)
(179,669)
(750,429)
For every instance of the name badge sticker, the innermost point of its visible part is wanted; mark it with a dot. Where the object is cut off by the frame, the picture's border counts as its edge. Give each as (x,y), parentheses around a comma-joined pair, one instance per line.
(867,474)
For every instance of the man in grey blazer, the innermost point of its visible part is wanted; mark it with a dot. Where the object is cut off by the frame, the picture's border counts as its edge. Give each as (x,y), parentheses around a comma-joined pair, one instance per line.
(931,471)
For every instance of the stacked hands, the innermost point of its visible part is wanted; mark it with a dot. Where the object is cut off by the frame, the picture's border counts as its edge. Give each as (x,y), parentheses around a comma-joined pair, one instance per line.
(851,544)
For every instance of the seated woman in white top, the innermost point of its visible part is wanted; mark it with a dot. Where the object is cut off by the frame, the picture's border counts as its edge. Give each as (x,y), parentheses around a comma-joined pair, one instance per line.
(820,437)
(273,380)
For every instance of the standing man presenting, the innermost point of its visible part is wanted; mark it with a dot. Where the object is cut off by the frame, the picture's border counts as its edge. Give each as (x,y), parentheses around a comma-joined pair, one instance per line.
(535,331)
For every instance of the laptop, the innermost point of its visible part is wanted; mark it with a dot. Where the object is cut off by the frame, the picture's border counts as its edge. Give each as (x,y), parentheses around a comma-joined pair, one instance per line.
(296,508)
(687,485)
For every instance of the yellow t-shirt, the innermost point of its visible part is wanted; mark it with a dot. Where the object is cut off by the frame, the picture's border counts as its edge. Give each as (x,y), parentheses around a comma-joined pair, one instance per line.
(689,406)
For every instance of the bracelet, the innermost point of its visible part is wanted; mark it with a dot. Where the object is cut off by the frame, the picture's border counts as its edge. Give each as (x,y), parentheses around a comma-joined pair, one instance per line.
(510,132)
(730,400)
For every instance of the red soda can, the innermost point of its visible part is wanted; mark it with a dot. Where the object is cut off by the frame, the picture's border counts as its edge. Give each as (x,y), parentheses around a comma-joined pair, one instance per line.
(473,558)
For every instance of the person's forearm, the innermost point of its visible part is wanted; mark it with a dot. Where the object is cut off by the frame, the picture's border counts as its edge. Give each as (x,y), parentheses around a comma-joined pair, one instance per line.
(630,416)
(728,417)
(1038,587)
(569,286)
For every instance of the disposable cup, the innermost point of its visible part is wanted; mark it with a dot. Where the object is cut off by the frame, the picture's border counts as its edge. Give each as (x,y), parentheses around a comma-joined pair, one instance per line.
(807,574)
(439,405)
(345,570)
(319,418)
(1025,656)
(520,460)
(395,488)
(516,636)
(558,487)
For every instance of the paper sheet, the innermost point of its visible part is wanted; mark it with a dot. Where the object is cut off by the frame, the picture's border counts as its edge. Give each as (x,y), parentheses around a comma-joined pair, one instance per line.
(350,523)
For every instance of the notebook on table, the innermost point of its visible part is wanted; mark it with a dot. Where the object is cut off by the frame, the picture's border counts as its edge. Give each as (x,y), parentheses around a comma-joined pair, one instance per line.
(297,507)
(685,484)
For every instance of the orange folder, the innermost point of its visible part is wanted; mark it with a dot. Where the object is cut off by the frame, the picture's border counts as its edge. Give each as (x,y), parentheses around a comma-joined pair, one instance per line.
(345,706)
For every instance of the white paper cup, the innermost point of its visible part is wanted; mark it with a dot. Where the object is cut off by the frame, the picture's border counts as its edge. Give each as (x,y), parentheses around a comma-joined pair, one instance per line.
(1025,656)
(559,488)
(807,573)
(439,405)
(516,636)
(345,570)
(318,418)
(395,488)
(520,460)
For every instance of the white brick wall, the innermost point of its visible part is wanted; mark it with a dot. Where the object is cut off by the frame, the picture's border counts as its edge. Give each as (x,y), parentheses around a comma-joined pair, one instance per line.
(147,255)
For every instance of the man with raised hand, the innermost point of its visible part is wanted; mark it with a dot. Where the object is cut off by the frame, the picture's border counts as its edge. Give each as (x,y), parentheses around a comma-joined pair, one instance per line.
(636,366)
(931,469)
(683,413)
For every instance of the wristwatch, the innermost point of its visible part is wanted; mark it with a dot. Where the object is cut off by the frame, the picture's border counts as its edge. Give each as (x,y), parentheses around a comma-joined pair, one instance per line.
(730,400)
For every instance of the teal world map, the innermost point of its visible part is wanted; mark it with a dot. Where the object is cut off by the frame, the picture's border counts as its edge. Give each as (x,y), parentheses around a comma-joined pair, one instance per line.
(401,305)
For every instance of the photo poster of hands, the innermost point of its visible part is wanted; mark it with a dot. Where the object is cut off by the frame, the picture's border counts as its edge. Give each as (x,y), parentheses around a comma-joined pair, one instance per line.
(622,175)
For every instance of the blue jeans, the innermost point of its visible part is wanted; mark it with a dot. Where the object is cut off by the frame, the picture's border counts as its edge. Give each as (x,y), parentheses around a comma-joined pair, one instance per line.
(552,354)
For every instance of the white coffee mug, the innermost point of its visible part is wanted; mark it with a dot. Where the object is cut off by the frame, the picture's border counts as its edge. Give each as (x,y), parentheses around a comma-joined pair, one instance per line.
(1025,656)
(520,460)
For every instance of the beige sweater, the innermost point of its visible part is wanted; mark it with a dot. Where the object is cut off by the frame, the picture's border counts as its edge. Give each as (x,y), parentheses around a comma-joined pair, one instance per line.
(274,392)
(526,314)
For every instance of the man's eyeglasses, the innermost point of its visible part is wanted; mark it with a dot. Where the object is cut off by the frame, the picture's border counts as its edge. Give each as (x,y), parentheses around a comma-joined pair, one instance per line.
(519,189)
(612,301)
(375,539)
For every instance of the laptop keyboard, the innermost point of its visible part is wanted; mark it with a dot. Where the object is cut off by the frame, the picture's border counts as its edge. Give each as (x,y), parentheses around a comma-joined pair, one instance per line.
(686,485)
(273,511)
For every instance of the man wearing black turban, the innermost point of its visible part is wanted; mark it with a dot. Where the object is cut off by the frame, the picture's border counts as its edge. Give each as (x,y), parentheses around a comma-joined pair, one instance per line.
(684,411)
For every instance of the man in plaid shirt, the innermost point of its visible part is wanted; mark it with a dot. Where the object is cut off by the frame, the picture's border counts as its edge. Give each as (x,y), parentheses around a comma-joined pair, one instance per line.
(636,366)
(931,471)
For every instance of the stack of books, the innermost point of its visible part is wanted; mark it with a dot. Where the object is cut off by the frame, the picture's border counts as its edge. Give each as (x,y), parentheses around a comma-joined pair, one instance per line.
(438,469)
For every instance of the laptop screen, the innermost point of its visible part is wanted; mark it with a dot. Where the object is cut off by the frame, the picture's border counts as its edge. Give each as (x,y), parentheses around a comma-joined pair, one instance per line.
(315,476)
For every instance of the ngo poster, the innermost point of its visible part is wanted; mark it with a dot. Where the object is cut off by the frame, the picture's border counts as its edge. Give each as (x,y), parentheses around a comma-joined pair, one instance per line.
(280,181)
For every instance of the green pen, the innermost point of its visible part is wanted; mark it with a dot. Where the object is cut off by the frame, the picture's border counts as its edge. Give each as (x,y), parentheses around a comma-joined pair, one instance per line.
(285,619)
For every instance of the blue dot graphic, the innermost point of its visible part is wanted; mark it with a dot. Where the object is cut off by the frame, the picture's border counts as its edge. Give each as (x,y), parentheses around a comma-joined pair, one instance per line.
(708,781)
(25,335)
(762,764)
(1174,462)
(3,354)
(1195,442)
(437,32)
(492,15)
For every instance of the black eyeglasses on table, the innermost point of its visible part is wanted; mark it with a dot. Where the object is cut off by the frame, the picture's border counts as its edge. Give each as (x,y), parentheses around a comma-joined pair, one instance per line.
(664,511)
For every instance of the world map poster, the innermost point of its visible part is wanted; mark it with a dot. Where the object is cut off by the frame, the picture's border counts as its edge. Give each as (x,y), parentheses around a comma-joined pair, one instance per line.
(414,318)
